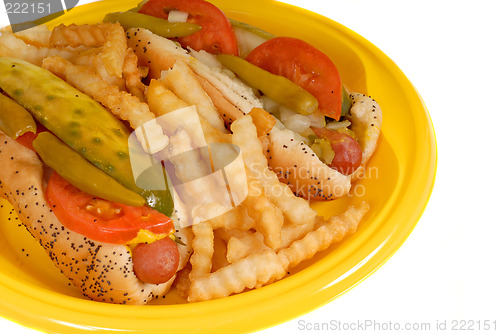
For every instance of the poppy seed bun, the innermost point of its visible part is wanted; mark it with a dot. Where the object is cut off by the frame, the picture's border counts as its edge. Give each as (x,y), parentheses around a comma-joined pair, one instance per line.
(103,272)
(297,166)
(366,119)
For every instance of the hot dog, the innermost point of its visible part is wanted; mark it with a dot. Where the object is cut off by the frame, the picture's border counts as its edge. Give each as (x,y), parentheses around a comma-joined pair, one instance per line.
(102,271)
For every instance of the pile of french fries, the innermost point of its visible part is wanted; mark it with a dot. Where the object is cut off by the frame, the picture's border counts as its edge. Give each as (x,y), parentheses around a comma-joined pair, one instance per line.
(252,245)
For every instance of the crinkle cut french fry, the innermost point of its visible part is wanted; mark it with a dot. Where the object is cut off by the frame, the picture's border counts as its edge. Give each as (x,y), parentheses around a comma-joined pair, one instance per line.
(75,35)
(219,258)
(110,36)
(182,282)
(88,57)
(203,250)
(120,103)
(91,58)
(333,231)
(225,219)
(213,135)
(37,36)
(10,46)
(290,232)
(182,81)
(233,220)
(143,70)
(296,210)
(245,220)
(191,168)
(113,54)
(210,212)
(132,75)
(253,271)
(228,233)
(269,219)
(161,100)
(239,248)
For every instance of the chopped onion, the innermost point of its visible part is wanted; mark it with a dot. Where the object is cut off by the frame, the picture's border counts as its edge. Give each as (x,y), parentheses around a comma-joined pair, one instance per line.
(286,113)
(269,104)
(338,125)
(177,16)
(206,58)
(317,119)
(298,123)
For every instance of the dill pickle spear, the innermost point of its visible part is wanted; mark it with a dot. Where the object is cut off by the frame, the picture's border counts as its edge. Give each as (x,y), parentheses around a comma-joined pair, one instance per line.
(14,119)
(82,174)
(155,25)
(277,87)
(79,121)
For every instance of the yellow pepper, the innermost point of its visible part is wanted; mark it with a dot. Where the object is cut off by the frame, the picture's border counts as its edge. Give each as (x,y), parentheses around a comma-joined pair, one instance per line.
(14,119)
(81,173)
(154,24)
(277,87)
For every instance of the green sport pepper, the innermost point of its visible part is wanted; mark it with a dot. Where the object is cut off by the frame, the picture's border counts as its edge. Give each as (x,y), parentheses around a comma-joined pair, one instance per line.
(14,119)
(277,87)
(79,121)
(82,174)
(154,24)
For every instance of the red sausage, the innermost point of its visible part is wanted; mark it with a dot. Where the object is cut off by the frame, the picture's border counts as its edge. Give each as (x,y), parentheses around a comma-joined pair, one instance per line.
(347,150)
(157,262)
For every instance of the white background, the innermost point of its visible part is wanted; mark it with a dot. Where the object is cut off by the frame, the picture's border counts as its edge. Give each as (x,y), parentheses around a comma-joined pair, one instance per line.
(448,268)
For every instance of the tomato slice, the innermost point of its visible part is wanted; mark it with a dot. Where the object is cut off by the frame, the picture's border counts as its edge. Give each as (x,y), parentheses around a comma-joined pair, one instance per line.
(27,139)
(216,34)
(305,65)
(99,219)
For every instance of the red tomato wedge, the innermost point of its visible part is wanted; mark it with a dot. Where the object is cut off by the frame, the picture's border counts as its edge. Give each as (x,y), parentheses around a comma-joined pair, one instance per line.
(348,153)
(305,65)
(99,219)
(27,139)
(216,34)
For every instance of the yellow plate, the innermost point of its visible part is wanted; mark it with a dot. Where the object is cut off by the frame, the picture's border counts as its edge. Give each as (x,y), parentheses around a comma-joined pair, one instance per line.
(398,184)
